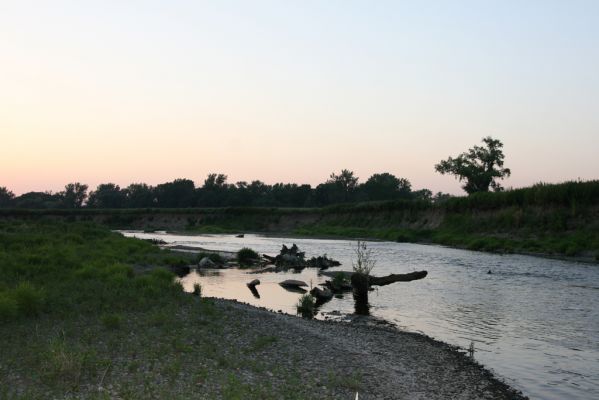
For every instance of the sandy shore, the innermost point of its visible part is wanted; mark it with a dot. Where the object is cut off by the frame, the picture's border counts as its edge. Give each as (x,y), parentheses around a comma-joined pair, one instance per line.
(386,363)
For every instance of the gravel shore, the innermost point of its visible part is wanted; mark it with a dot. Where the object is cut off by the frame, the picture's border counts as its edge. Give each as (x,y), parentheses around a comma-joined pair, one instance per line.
(384,362)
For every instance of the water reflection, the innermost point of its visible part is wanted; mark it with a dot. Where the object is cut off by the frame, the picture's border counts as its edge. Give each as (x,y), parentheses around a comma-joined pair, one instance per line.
(533,321)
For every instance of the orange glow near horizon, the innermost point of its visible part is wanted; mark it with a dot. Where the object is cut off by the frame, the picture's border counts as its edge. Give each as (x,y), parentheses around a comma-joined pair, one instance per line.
(290,93)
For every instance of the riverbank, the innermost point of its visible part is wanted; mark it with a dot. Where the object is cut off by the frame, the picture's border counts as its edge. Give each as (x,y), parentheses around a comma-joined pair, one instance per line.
(557,221)
(79,319)
(211,349)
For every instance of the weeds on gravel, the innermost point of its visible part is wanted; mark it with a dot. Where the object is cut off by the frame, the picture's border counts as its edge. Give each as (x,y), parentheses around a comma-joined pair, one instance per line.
(261,342)
(306,306)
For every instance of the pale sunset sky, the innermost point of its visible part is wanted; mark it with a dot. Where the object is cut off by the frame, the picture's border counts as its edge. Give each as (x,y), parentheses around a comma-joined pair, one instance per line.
(290,91)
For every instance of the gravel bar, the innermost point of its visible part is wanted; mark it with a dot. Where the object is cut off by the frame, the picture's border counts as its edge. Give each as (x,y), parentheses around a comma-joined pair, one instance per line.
(390,363)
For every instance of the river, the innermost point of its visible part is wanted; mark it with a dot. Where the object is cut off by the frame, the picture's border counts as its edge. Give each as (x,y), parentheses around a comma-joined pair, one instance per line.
(533,321)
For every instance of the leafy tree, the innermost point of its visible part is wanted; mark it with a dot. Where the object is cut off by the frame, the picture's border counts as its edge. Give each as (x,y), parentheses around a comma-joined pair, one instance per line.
(35,200)
(215,181)
(441,197)
(107,195)
(178,193)
(480,167)
(215,192)
(74,195)
(139,195)
(6,197)
(343,185)
(386,186)
(422,194)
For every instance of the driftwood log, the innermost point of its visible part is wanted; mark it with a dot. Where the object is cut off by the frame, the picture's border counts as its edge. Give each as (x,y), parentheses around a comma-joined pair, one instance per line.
(380,280)
(389,279)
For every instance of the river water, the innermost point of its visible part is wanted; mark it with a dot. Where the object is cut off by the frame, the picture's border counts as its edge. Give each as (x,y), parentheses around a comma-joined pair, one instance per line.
(533,321)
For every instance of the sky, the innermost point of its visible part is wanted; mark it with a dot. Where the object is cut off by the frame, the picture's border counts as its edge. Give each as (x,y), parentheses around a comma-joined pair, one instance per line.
(291,91)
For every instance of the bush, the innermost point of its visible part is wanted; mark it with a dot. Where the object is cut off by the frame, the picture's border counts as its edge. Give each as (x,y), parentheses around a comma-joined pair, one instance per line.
(365,261)
(306,306)
(246,256)
(29,299)
(339,280)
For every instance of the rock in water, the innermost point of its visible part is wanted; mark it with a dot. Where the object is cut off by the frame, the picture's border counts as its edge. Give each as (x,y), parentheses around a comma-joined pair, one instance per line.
(206,262)
(293,283)
(321,294)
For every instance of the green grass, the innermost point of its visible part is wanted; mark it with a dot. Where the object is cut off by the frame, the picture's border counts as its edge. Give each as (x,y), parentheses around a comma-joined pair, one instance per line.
(80,319)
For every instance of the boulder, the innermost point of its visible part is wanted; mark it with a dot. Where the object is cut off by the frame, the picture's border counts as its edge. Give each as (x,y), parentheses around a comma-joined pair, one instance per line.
(322,294)
(180,270)
(293,283)
(206,262)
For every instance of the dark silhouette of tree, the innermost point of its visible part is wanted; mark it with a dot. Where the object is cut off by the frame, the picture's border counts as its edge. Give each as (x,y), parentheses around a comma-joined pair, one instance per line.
(441,197)
(35,200)
(107,195)
(6,197)
(179,193)
(480,167)
(74,195)
(215,181)
(340,188)
(216,192)
(386,186)
(140,195)
(422,194)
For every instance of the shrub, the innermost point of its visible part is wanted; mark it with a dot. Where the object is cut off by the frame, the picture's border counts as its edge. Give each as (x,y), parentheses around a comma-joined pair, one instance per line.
(339,280)
(306,306)
(365,261)
(246,256)
(29,299)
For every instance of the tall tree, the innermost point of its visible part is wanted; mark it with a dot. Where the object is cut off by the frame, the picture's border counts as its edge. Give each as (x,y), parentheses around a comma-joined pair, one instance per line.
(215,181)
(74,195)
(178,193)
(386,186)
(6,197)
(107,195)
(345,183)
(480,167)
(140,195)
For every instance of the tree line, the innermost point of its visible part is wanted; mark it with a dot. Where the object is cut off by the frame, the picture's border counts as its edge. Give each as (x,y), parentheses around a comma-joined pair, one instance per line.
(217,192)
(479,168)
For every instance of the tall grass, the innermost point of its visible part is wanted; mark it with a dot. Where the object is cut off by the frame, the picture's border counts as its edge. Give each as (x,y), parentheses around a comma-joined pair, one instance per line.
(59,267)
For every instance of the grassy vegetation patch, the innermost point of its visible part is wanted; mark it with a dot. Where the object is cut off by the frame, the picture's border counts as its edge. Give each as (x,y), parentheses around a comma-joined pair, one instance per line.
(80,319)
